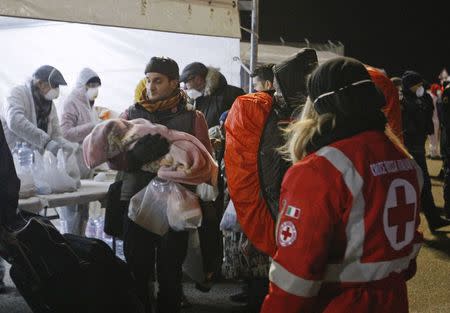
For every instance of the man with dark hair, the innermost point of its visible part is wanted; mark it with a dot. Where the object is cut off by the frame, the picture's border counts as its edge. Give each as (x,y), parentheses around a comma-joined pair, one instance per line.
(161,102)
(210,90)
(263,78)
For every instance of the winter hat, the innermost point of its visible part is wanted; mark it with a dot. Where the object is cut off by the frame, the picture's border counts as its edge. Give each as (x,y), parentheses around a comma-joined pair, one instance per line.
(51,75)
(411,78)
(163,65)
(193,69)
(343,86)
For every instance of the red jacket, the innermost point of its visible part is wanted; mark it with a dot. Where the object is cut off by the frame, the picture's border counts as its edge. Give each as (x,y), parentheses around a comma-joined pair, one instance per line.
(347,230)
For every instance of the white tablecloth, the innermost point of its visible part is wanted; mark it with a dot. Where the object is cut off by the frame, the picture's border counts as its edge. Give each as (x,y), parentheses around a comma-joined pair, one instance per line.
(90,190)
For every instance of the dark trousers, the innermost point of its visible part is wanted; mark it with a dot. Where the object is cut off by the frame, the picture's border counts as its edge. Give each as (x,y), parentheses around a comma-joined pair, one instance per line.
(257,290)
(447,192)
(143,250)
(211,241)
(428,207)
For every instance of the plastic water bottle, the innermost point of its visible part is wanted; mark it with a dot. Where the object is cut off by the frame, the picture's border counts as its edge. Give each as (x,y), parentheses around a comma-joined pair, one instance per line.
(161,185)
(25,155)
(16,147)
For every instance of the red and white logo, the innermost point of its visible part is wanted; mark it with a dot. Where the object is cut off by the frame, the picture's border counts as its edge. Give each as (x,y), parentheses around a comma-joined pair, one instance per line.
(399,216)
(287,234)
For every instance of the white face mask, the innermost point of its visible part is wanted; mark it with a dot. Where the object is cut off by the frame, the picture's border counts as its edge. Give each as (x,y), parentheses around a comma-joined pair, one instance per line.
(439,93)
(193,93)
(52,94)
(92,93)
(420,91)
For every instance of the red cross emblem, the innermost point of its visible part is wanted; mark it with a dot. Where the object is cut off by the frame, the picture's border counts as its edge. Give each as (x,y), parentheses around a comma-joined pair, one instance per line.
(287,234)
(401,214)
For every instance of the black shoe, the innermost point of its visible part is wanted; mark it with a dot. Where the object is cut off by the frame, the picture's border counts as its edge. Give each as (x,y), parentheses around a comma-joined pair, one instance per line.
(438,224)
(241,297)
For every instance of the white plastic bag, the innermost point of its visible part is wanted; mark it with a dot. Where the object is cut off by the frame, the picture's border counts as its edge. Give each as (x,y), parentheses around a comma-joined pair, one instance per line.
(148,208)
(58,179)
(183,209)
(207,192)
(229,220)
(41,180)
(69,165)
(27,185)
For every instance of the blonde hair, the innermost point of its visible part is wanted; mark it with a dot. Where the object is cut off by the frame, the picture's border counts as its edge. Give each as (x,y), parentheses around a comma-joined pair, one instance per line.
(300,134)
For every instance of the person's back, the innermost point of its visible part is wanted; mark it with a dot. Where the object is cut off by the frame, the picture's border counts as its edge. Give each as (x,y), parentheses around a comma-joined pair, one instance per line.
(370,195)
(349,207)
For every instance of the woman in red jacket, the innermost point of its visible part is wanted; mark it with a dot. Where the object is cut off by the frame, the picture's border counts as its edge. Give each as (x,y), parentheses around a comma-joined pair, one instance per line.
(349,207)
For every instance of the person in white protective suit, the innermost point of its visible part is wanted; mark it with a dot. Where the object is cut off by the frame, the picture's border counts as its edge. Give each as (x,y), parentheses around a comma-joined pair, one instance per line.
(77,121)
(30,115)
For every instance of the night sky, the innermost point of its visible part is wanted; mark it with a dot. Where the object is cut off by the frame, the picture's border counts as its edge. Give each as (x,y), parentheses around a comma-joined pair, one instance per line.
(380,33)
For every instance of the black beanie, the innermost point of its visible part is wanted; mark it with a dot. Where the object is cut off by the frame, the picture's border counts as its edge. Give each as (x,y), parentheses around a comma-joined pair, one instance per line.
(411,78)
(163,65)
(346,99)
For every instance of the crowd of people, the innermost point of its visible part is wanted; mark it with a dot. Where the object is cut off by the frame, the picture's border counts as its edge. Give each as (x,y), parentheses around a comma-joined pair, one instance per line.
(342,222)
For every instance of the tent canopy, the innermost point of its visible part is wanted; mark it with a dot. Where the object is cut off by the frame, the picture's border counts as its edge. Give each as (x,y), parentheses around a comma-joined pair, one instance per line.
(118,55)
(201,17)
(273,53)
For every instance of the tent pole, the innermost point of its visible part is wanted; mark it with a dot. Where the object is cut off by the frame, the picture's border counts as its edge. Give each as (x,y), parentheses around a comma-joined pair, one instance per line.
(254,41)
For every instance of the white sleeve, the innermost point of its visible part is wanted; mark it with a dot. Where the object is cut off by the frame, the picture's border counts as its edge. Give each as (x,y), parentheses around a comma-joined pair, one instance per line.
(19,124)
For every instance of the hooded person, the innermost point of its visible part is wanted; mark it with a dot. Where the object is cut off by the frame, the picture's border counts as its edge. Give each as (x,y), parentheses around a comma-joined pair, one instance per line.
(347,227)
(210,91)
(77,121)
(78,115)
(30,114)
(161,102)
(417,114)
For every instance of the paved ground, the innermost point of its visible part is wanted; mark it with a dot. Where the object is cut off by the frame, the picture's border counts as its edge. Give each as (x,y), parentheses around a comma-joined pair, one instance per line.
(429,290)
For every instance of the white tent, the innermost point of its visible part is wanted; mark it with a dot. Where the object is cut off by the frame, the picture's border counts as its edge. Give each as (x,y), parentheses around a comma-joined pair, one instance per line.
(272,53)
(118,55)
(200,17)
